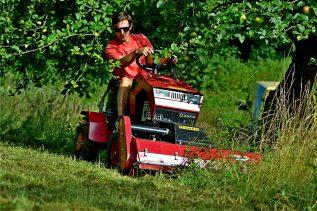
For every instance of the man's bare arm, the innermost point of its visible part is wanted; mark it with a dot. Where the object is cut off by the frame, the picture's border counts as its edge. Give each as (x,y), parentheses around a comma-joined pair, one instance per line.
(128,59)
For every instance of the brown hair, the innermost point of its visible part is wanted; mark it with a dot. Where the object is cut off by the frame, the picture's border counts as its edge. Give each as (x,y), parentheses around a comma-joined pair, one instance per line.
(121,16)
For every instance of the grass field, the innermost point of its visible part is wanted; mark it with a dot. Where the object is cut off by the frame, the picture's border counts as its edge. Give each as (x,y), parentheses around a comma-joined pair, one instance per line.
(286,178)
(37,170)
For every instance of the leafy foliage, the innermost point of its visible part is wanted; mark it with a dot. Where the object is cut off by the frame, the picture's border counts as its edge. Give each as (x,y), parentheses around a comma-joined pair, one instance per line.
(43,41)
(199,30)
(46,41)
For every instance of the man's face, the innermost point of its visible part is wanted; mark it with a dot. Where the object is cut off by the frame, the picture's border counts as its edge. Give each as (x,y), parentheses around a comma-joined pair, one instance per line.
(122,30)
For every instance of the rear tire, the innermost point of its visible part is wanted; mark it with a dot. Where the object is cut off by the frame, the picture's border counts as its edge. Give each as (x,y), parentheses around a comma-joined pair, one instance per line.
(86,149)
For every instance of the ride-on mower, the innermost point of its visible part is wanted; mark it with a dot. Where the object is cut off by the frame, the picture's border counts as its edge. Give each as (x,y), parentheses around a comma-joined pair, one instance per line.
(159,132)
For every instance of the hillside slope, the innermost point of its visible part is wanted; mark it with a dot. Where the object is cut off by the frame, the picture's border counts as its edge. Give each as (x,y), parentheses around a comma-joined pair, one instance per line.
(31,179)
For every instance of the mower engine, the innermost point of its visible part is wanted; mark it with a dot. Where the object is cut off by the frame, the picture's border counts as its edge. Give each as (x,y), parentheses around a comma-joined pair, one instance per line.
(168,106)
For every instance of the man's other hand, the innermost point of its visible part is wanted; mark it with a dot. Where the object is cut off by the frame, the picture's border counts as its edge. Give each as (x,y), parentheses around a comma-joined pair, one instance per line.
(144,51)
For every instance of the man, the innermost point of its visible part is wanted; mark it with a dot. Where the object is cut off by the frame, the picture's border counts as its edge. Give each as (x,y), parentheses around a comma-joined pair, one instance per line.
(124,48)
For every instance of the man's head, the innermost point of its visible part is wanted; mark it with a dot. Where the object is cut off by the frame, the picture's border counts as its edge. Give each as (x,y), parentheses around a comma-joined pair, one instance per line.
(122,24)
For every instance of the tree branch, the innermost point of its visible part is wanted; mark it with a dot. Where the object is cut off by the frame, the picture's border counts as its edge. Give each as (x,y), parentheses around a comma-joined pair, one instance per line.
(47,45)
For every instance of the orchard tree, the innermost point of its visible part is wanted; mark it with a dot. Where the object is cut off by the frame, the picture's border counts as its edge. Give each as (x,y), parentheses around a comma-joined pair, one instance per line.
(279,22)
(56,41)
(51,41)
(203,29)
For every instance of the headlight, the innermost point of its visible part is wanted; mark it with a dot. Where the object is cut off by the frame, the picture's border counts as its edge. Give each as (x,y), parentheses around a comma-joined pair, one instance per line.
(195,99)
(162,93)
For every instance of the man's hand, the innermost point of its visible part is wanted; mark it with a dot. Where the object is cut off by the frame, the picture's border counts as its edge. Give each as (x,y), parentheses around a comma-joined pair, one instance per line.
(128,59)
(144,51)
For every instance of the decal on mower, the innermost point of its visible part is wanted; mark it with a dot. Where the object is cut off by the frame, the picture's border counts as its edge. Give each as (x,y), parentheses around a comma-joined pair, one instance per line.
(183,127)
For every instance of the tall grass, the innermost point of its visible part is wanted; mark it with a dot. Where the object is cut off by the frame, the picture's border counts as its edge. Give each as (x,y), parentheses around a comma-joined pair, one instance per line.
(228,83)
(285,178)
(41,117)
(289,116)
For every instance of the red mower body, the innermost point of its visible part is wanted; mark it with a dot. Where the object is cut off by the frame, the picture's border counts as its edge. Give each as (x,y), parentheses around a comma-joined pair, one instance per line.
(161,155)
(164,152)
(148,83)
(159,133)
(97,127)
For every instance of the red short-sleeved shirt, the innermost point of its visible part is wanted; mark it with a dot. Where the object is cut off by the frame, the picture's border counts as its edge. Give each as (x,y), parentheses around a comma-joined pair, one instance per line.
(116,50)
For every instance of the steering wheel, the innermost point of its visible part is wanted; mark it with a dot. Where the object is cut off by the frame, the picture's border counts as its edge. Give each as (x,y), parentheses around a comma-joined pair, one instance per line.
(149,67)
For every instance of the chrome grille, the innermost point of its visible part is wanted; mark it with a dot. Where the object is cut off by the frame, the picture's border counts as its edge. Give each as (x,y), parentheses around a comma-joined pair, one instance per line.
(178,96)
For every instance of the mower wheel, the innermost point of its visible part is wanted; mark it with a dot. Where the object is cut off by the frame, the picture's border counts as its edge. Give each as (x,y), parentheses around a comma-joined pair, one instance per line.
(86,149)
(114,155)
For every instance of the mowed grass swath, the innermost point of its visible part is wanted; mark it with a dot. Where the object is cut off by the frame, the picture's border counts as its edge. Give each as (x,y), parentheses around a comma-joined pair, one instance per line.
(41,173)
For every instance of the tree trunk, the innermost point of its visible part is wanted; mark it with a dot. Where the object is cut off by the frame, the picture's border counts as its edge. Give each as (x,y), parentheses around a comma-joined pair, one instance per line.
(298,81)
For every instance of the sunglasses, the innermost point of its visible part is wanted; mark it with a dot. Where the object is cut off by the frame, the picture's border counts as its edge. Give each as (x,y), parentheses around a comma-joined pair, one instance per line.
(125,29)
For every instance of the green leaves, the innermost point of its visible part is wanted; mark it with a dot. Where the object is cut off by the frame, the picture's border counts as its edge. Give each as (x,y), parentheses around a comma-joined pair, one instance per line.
(36,34)
(159,3)
(73,33)
(241,37)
